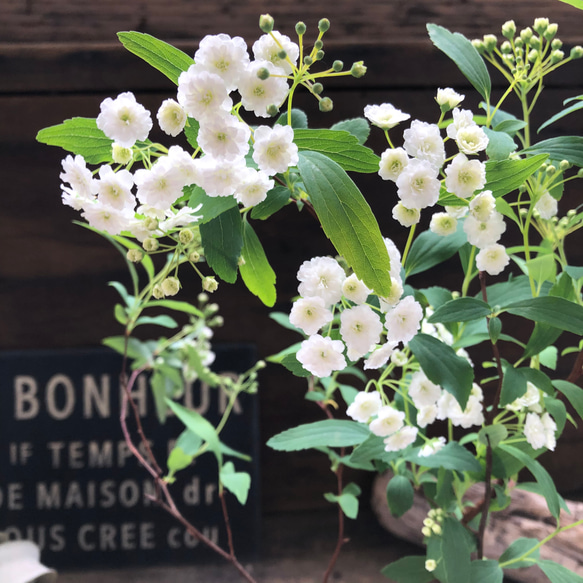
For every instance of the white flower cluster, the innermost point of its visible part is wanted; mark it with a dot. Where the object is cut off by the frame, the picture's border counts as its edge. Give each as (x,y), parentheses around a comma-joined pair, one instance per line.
(416,166)
(141,203)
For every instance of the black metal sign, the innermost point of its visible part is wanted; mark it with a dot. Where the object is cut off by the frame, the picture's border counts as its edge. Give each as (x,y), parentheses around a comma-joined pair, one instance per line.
(69,482)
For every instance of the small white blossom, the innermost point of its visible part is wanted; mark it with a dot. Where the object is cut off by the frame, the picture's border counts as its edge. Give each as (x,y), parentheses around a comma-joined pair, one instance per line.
(388,302)
(323,277)
(321,356)
(547,206)
(407,217)
(360,328)
(528,400)
(385,116)
(399,358)
(404,320)
(186,167)
(160,185)
(274,150)
(457,212)
(179,218)
(171,117)
(417,185)
(463,177)
(258,94)
(422,391)
(76,173)
(470,416)
(124,120)
(550,431)
(471,139)
(224,136)
(484,233)
(395,259)
(269,46)
(388,421)
(392,163)
(355,290)
(310,314)
(535,431)
(253,187)
(426,415)
(401,439)
(492,259)
(448,97)
(114,188)
(380,356)
(219,177)
(461,118)
(483,205)
(106,218)
(443,224)
(424,142)
(364,406)
(432,447)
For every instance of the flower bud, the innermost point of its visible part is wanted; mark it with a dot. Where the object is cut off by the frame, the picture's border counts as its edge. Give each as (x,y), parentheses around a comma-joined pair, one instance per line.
(300,28)
(337,66)
(551,31)
(319,55)
(272,110)
(518,43)
(580,173)
(282,54)
(308,60)
(509,29)
(526,34)
(323,25)
(535,42)
(426,531)
(540,25)
(533,55)
(557,56)
(490,42)
(358,69)
(556,44)
(505,48)
(209,284)
(157,292)
(202,298)
(266,23)
(571,213)
(134,255)
(326,104)
(479,45)
(319,44)
(120,154)
(170,286)
(551,170)
(317,88)
(263,73)
(194,257)
(430,565)
(576,52)
(436,529)
(150,244)
(185,236)
(151,223)
(564,165)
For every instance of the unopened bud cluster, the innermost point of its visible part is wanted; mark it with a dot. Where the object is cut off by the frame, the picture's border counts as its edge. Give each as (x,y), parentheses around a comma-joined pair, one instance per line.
(432,524)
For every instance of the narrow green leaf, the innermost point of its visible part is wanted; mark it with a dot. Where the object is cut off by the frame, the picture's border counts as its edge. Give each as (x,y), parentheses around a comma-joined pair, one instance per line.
(556,572)
(500,145)
(510,126)
(212,206)
(347,220)
(400,495)
(175,305)
(162,320)
(554,311)
(486,571)
(79,135)
(178,460)
(451,457)
(408,570)
(568,148)
(575,3)
(255,270)
(443,366)
(513,385)
(238,483)
(519,548)
(455,553)
(191,130)
(504,176)
(460,310)
(167,59)
(358,127)
(276,199)
(573,393)
(543,336)
(562,114)
(292,364)
(326,433)
(282,318)
(222,239)
(461,51)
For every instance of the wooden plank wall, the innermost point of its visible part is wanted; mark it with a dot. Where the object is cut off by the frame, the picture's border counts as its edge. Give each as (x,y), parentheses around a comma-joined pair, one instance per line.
(60,58)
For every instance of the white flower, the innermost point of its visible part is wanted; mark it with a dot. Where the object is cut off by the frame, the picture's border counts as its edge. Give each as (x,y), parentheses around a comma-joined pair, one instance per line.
(224,136)
(253,187)
(535,431)
(403,321)
(483,205)
(360,328)
(492,259)
(202,94)
(395,259)
(380,356)
(547,206)
(179,218)
(269,46)
(432,447)
(106,218)
(528,400)
(424,142)
(114,188)
(471,139)
(484,233)
(387,422)
(385,116)
(417,185)
(401,439)
(550,431)
(321,356)
(274,149)
(160,185)
(426,415)
(399,358)
(364,406)
(219,177)
(171,117)
(422,391)
(186,167)
(224,56)
(457,212)
(258,94)
(463,177)
(392,163)
(76,173)
(471,415)
(124,120)
(461,118)
(448,97)
(394,296)
(323,277)
(354,290)
(443,224)
(407,217)
(310,314)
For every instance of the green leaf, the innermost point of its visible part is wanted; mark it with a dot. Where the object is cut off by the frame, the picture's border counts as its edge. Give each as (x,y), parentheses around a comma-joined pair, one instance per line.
(504,176)
(238,483)
(212,206)
(562,114)
(292,364)
(535,488)
(556,572)
(162,320)
(486,571)
(554,311)
(460,310)
(452,456)
(500,145)
(222,239)
(513,385)
(443,366)
(461,51)
(282,318)
(452,551)
(165,382)
(545,481)
(510,126)
(358,127)
(494,329)
(429,250)
(573,393)
(339,146)
(276,199)
(176,305)
(347,220)
(408,570)
(141,352)
(568,148)
(167,59)
(549,356)
(299,120)
(79,135)
(558,412)
(400,495)
(256,272)
(515,289)
(494,434)
(575,3)
(371,448)
(542,268)
(191,130)
(178,460)
(543,335)
(326,433)
(517,549)
(348,500)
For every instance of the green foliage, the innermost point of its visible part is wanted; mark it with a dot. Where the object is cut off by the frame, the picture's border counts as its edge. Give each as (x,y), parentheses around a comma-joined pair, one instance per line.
(460,310)
(408,570)
(212,206)
(568,148)
(276,199)
(500,145)
(451,457)
(504,176)
(347,500)
(400,495)
(357,126)
(238,483)
(510,558)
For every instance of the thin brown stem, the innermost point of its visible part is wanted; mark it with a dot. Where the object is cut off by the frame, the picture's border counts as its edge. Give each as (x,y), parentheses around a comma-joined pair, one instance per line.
(227,522)
(487,498)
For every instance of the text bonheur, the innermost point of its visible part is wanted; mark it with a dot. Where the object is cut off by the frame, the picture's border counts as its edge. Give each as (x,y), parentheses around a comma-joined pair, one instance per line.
(61,399)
